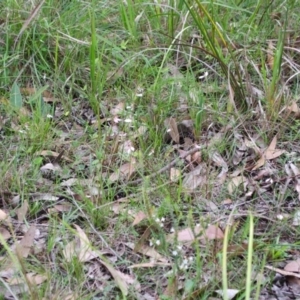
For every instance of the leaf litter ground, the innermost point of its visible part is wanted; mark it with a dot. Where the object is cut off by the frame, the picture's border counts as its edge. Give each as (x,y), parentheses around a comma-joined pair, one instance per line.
(92,210)
(144,250)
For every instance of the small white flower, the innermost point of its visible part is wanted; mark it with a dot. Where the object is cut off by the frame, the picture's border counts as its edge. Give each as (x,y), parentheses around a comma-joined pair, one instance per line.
(174,253)
(49,116)
(179,247)
(197,225)
(116,120)
(185,262)
(161,224)
(172,230)
(151,243)
(162,219)
(157,242)
(151,152)
(191,258)
(157,220)
(280,217)
(139,92)
(128,121)
(203,76)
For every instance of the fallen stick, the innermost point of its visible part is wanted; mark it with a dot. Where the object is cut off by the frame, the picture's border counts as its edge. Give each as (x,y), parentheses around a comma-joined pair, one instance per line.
(168,166)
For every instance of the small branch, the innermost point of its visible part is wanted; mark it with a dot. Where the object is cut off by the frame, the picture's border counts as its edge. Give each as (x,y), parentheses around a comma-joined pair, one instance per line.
(167,167)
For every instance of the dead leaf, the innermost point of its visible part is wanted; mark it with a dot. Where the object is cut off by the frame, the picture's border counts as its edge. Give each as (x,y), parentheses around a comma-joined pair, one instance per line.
(175,174)
(270,153)
(122,280)
(36,279)
(22,211)
(293,266)
(5,218)
(127,147)
(293,284)
(220,162)
(43,197)
(148,251)
(60,208)
(48,153)
(140,216)
(195,178)
(294,108)
(150,264)
(213,232)
(172,129)
(125,172)
(79,247)
(196,157)
(24,246)
(5,234)
(51,167)
(118,109)
(237,182)
(14,290)
(293,171)
(231,293)
(185,235)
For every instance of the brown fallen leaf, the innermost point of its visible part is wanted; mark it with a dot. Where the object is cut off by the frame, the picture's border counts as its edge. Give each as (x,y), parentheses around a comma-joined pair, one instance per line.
(195,178)
(36,279)
(140,216)
(172,129)
(22,211)
(150,264)
(122,280)
(175,174)
(32,278)
(185,235)
(148,251)
(294,109)
(270,153)
(5,218)
(293,266)
(238,182)
(231,293)
(118,109)
(65,207)
(24,246)
(124,172)
(48,153)
(79,247)
(220,162)
(213,233)
(5,234)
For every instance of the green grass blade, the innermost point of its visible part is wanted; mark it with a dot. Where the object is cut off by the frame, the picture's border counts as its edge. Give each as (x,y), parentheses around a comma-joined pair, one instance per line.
(16,97)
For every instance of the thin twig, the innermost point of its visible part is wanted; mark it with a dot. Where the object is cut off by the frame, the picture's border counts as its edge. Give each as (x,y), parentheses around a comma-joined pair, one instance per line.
(95,231)
(167,167)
